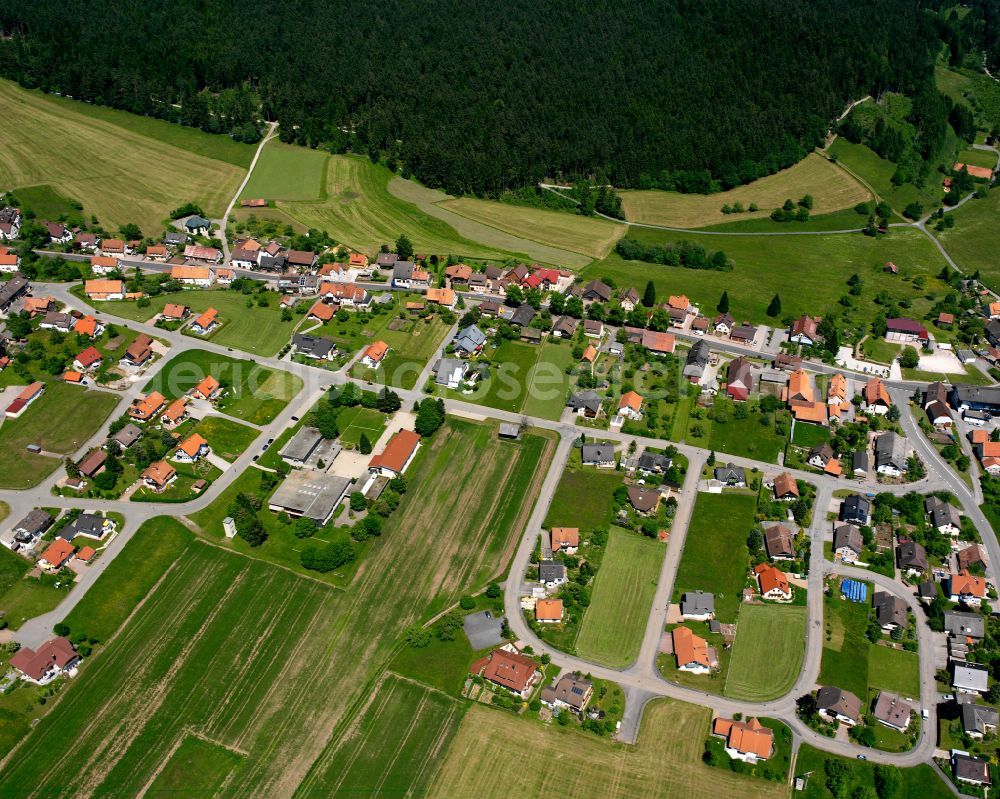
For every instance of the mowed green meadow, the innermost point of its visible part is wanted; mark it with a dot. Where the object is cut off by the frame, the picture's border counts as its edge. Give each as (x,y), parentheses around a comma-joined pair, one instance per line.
(122,168)
(715,553)
(60,421)
(256,330)
(975,240)
(768,653)
(808,272)
(273,667)
(614,624)
(287,172)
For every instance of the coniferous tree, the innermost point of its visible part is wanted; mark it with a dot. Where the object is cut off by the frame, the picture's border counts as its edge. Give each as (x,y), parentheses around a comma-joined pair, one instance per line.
(775,307)
(723,306)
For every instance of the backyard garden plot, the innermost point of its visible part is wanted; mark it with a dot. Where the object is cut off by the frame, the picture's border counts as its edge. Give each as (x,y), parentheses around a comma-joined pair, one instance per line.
(716,557)
(121,168)
(60,422)
(613,626)
(254,394)
(830,187)
(499,753)
(767,655)
(809,272)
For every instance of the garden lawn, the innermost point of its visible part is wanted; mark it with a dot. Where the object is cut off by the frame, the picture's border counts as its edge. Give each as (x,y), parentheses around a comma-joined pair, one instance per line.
(767,655)
(584,498)
(12,568)
(612,629)
(810,435)
(809,273)
(526,378)
(156,546)
(748,437)
(920,780)
(831,188)
(894,670)
(845,648)
(255,394)
(412,342)
(352,422)
(228,439)
(715,557)
(255,330)
(60,421)
(548,381)
(287,172)
(30,597)
(122,168)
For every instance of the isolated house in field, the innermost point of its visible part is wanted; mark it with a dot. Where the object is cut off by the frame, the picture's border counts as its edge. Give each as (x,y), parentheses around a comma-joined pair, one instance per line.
(739,379)
(54,658)
(697,606)
(510,670)
(836,704)
(691,651)
(847,542)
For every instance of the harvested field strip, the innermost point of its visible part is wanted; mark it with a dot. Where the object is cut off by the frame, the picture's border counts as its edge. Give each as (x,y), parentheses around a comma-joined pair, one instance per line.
(497,753)
(264,661)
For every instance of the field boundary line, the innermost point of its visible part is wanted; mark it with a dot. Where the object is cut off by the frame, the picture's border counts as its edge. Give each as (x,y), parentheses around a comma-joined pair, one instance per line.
(396,675)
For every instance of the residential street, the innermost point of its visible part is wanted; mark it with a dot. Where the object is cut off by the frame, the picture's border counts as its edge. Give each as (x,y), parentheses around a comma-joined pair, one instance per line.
(641,680)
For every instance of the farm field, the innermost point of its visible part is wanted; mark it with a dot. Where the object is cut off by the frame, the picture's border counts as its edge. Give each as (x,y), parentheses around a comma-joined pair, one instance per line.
(394,747)
(197,767)
(254,394)
(832,189)
(156,545)
(61,421)
(256,330)
(846,219)
(132,171)
(975,240)
(495,752)
(920,780)
(287,172)
(767,655)
(359,210)
(613,626)
(715,557)
(591,236)
(195,672)
(810,271)
(583,498)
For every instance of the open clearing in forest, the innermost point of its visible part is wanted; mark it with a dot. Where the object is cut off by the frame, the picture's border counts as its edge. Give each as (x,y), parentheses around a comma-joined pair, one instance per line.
(120,174)
(830,187)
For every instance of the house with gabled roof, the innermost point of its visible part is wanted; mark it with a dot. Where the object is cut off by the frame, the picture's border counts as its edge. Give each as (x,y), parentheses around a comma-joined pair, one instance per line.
(564,539)
(691,651)
(397,456)
(55,658)
(966,588)
(890,454)
(779,542)
(192,449)
(511,670)
(785,487)
(749,741)
(803,330)
(739,379)
(158,476)
(773,583)
(912,558)
(836,704)
(944,516)
(892,711)
(374,354)
(144,409)
(630,405)
(848,542)
(206,322)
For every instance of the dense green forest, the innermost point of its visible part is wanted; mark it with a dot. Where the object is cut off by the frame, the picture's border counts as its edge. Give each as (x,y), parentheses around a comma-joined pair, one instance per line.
(485,97)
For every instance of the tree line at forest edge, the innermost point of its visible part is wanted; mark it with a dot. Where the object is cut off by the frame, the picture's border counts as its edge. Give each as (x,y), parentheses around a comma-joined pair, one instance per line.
(674,95)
